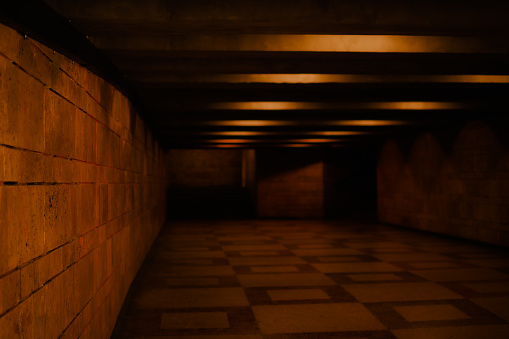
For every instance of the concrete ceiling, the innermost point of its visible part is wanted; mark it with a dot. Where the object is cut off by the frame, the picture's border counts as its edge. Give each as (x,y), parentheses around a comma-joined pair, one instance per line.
(231,73)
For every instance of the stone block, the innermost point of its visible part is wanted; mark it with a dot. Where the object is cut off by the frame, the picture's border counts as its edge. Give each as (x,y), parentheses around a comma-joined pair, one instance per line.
(34,61)
(48,52)
(70,253)
(87,208)
(37,273)
(21,108)
(60,116)
(19,322)
(58,170)
(21,225)
(60,217)
(21,166)
(66,87)
(10,290)
(104,143)
(10,43)
(116,200)
(103,203)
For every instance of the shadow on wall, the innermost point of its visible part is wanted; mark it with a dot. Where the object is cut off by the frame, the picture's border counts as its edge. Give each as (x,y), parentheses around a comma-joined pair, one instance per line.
(317,183)
(207,183)
(290,183)
(454,182)
(349,177)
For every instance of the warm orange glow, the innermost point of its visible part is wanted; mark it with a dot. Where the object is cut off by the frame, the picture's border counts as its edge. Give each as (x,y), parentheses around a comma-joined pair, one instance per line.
(298,105)
(336,78)
(236,133)
(414,105)
(256,133)
(264,123)
(311,43)
(338,133)
(255,141)
(264,105)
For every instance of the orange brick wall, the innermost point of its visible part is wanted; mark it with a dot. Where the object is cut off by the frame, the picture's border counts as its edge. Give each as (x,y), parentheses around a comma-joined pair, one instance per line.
(82,195)
(289,183)
(454,182)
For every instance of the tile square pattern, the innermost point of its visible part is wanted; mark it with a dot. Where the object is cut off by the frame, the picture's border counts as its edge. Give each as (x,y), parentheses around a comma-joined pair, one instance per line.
(315,318)
(213,279)
(430,312)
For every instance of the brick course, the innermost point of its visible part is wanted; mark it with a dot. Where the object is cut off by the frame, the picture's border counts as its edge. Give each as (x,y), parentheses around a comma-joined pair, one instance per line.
(82,194)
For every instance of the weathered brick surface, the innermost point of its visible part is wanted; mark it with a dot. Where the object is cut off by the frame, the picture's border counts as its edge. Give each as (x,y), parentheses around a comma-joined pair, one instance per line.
(455,183)
(78,195)
(21,108)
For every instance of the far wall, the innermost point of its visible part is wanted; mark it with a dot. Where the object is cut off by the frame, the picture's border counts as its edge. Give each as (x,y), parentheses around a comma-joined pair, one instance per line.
(204,168)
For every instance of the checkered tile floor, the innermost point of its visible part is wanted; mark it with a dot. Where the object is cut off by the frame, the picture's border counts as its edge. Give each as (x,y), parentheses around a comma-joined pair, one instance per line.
(316,279)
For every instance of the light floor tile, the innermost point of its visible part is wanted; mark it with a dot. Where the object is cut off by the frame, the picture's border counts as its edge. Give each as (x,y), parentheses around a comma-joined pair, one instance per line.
(194,320)
(436,264)
(356,267)
(338,259)
(326,252)
(498,306)
(315,318)
(259,254)
(461,274)
(466,332)
(269,247)
(192,282)
(194,297)
(489,287)
(374,277)
(430,312)
(246,261)
(199,270)
(379,292)
(411,257)
(301,294)
(274,269)
(283,279)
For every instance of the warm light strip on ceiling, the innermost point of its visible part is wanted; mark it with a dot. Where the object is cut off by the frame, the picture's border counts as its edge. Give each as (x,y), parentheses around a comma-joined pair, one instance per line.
(265,123)
(306,43)
(297,105)
(334,78)
(251,141)
(258,133)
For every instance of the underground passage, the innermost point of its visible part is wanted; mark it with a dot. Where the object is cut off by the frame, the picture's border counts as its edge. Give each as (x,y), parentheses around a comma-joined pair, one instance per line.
(254,169)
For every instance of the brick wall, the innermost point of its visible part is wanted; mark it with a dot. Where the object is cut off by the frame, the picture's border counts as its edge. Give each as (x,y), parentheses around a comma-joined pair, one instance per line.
(82,189)
(454,182)
(290,183)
